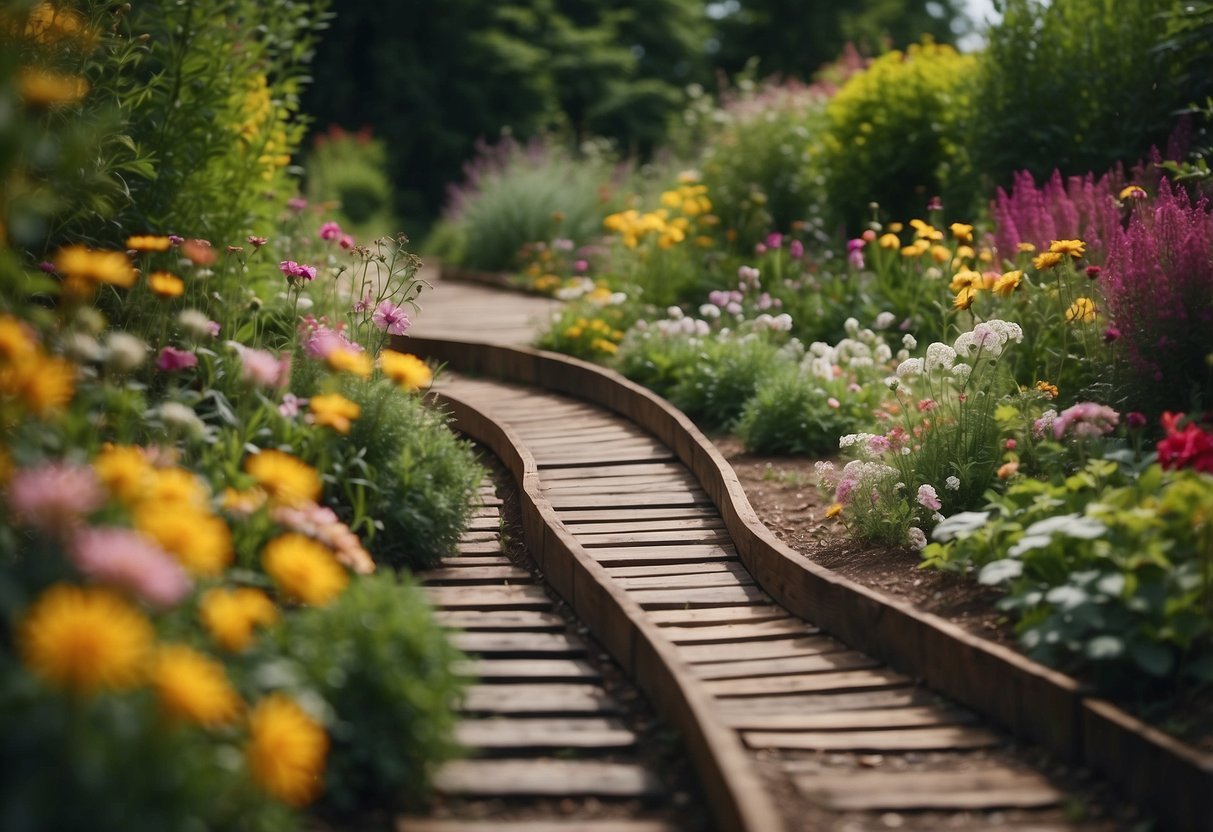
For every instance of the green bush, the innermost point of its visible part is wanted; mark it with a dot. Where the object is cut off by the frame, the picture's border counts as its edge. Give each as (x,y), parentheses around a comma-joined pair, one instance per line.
(715,386)
(794,412)
(350,170)
(385,667)
(893,133)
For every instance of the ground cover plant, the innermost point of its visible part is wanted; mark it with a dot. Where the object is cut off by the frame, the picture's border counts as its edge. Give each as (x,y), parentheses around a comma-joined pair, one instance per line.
(211,464)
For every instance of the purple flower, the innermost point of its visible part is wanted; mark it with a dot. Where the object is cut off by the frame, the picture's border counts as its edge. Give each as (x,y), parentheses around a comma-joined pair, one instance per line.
(936,204)
(262,367)
(796,249)
(297,271)
(1136,420)
(171,359)
(390,318)
(329,231)
(175,240)
(1111,334)
(928,498)
(131,562)
(47,266)
(581,266)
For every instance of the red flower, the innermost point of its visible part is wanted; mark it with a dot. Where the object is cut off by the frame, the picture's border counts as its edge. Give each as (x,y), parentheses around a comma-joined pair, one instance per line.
(1189,447)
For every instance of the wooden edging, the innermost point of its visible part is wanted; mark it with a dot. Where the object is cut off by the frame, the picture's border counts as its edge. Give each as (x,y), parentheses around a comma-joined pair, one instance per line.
(1166,777)
(730,784)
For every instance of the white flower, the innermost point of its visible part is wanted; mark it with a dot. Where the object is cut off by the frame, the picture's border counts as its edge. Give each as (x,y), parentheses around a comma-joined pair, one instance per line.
(952,483)
(909,341)
(710,310)
(961,372)
(917,538)
(124,352)
(83,347)
(939,357)
(195,323)
(884,320)
(182,417)
(851,326)
(909,368)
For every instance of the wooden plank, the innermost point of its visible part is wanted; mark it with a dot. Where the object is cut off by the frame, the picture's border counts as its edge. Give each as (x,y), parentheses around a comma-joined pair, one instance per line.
(476,575)
(828,662)
(718,616)
(529,670)
(487,547)
(653,555)
(550,440)
(731,566)
(500,620)
(713,596)
(773,649)
(544,733)
(695,537)
(596,457)
(725,633)
(941,738)
(539,699)
(998,788)
(850,680)
(546,778)
(470,536)
(616,485)
(460,561)
(695,579)
(518,643)
(412,824)
(670,524)
(485,598)
(868,719)
(574,472)
(830,702)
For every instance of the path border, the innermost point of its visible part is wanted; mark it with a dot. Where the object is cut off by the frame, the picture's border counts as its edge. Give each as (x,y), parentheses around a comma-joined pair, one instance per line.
(1164,776)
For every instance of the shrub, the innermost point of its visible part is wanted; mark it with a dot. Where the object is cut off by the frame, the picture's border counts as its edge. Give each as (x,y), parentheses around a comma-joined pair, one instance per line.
(385,667)
(795,412)
(714,388)
(893,132)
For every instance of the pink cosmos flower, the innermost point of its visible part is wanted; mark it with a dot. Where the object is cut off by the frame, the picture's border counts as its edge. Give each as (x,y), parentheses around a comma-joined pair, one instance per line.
(927,498)
(297,271)
(322,341)
(346,242)
(390,318)
(130,562)
(171,360)
(54,497)
(364,304)
(330,231)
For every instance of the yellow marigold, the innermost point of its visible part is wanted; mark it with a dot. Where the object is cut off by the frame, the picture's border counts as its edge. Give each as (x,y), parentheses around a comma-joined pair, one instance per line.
(409,371)
(965,252)
(305,569)
(286,750)
(1081,311)
(230,615)
(355,362)
(335,411)
(916,249)
(965,297)
(1050,390)
(1046,260)
(834,510)
(201,542)
(176,488)
(965,279)
(43,384)
(85,640)
(39,88)
(925,231)
(985,255)
(82,263)
(1006,285)
(1074,248)
(125,472)
(940,254)
(166,285)
(193,687)
(148,242)
(962,231)
(896,227)
(243,503)
(284,477)
(889,241)
(16,340)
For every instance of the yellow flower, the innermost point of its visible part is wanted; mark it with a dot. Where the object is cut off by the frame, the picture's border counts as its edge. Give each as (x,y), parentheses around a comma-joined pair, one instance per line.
(286,750)
(201,542)
(148,242)
(42,383)
(305,569)
(243,503)
(965,279)
(1133,192)
(573,333)
(940,254)
(962,231)
(176,488)
(124,471)
(965,297)
(896,227)
(85,640)
(93,267)
(193,687)
(16,341)
(409,371)
(48,24)
(1074,248)
(39,88)
(1006,285)
(1081,311)
(889,241)
(1025,248)
(985,255)
(166,285)
(335,411)
(1049,390)
(230,615)
(916,249)
(1047,260)
(925,231)
(965,252)
(355,362)
(834,510)
(604,346)
(285,478)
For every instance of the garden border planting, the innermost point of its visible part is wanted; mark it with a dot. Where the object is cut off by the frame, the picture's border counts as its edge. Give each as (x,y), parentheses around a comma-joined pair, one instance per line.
(1168,778)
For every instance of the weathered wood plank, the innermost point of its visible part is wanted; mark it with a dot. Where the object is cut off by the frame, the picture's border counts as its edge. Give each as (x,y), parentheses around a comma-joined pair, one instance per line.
(941,738)
(851,680)
(730,566)
(653,555)
(857,720)
(518,643)
(668,525)
(574,472)
(499,598)
(940,790)
(725,633)
(529,670)
(718,616)
(548,778)
(476,575)
(696,537)
(462,561)
(774,649)
(613,515)
(600,456)
(539,699)
(828,702)
(825,663)
(715,596)
(544,733)
(695,579)
(500,620)
(621,485)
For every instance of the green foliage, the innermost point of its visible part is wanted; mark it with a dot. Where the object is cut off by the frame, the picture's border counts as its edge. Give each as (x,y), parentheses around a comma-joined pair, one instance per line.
(894,133)
(350,171)
(794,412)
(589,329)
(714,388)
(1078,85)
(1110,568)
(385,667)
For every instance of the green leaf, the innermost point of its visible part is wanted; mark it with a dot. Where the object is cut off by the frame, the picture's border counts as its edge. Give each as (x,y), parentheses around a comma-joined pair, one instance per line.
(1155,659)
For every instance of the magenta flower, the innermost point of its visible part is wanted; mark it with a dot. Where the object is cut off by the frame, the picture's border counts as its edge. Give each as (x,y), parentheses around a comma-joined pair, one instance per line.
(855,253)
(928,498)
(330,231)
(171,360)
(323,341)
(54,497)
(581,266)
(346,242)
(796,249)
(297,271)
(130,562)
(47,267)
(774,240)
(390,318)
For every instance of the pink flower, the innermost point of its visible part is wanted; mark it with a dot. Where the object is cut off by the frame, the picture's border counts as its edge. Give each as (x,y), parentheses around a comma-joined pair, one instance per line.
(297,271)
(364,303)
(131,562)
(1010,444)
(262,367)
(256,242)
(297,204)
(213,328)
(289,408)
(796,249)
(171,359)
(390,318)
(1135,419)
(1086,420)
(927,498)
(774,240)
(346,242)
(581,266)
(833,403)
(855,253)
(330,231)
(54,497)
